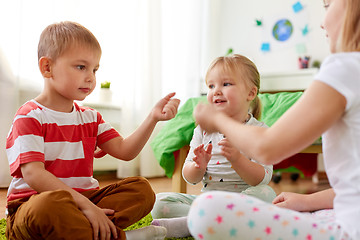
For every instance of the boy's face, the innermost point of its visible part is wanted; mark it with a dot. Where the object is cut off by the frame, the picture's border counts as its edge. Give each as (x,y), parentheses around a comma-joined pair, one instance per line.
(229,95)
(73,72)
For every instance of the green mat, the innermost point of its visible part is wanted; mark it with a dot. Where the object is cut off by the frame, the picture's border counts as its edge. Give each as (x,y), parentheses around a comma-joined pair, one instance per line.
(146,221)
(2,229)
(142,223)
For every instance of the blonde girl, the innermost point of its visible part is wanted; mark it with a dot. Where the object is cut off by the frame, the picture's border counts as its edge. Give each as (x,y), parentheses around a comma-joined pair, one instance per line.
(233,84)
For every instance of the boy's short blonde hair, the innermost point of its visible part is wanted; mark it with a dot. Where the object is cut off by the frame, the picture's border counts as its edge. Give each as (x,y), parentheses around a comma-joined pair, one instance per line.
(58,37)
(350,39)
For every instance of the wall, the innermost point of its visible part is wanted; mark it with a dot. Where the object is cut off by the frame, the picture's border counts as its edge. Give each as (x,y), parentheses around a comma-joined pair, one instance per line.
(232,25)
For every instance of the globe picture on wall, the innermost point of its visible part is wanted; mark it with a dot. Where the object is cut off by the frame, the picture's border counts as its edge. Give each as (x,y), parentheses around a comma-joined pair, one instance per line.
(282,30)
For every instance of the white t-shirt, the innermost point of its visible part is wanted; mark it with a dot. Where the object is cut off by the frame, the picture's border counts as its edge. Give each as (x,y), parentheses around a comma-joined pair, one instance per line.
(341,143)
(219,174)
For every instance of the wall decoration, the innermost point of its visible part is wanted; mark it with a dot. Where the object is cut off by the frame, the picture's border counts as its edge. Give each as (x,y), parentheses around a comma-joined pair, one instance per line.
(258,22)
(305,30)
(300,48)
(282,30)
(297,7)
(265,47)
(286,29)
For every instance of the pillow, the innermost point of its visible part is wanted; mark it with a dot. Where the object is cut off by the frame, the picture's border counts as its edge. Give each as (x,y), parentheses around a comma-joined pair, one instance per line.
(276,104)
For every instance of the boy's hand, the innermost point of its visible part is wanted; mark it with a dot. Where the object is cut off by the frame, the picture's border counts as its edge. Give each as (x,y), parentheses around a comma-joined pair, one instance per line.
(166,108)
(103,227)
(202,156)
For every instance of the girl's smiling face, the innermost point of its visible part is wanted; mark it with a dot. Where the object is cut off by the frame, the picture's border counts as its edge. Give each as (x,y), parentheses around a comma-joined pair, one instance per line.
(333,21)
(229,95)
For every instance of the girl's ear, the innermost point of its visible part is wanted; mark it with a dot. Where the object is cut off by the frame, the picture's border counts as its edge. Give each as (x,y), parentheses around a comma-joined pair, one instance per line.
(45,67)
(252,93)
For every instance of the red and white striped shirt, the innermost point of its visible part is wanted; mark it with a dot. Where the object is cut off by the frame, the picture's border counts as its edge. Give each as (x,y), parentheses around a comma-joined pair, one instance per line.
(64,142)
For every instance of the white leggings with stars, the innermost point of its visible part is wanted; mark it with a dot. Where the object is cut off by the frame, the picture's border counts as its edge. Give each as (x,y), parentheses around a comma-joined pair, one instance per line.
(225,215)
(172,204)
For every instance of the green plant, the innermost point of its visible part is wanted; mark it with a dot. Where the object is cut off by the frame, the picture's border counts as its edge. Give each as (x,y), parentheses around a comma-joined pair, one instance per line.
(105,84)
(316,64)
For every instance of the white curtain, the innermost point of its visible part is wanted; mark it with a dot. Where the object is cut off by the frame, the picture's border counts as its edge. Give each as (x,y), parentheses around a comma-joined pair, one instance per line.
(150,48)
(167,59)
(8,96)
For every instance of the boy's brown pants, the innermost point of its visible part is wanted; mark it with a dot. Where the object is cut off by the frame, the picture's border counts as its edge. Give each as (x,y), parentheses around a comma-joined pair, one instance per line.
(54,214)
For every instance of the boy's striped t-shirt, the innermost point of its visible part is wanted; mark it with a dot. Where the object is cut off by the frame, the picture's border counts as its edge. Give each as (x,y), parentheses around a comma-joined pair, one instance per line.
(64,142)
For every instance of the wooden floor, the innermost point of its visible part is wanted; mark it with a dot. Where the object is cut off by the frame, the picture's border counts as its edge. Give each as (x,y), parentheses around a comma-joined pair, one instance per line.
(163,184)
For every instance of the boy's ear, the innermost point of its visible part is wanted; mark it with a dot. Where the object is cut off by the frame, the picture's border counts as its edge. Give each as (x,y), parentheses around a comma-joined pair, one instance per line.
(252,93)
(45,67)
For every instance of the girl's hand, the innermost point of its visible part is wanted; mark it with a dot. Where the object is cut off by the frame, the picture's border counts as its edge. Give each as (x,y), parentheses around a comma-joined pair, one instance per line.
(204,115)
(228,151)
(202,156)
(290,200)
(166,108)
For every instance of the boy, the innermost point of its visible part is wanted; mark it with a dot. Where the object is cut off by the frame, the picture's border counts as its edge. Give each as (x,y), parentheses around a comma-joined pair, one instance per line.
(51,145)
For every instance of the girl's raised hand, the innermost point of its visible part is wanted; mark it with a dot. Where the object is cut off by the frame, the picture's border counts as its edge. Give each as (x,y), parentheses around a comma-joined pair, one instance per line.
(202,156)
(228,151)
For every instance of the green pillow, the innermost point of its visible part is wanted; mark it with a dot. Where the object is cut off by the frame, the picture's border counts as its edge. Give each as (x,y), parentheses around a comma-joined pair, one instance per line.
(276,104)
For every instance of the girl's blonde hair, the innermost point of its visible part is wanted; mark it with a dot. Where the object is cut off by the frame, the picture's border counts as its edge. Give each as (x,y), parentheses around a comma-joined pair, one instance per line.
(58,37)
(350,38)
(241,68)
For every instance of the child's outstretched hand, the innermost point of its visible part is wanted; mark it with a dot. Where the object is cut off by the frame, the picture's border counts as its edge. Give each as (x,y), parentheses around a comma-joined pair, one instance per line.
(166,108)
(202,156)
